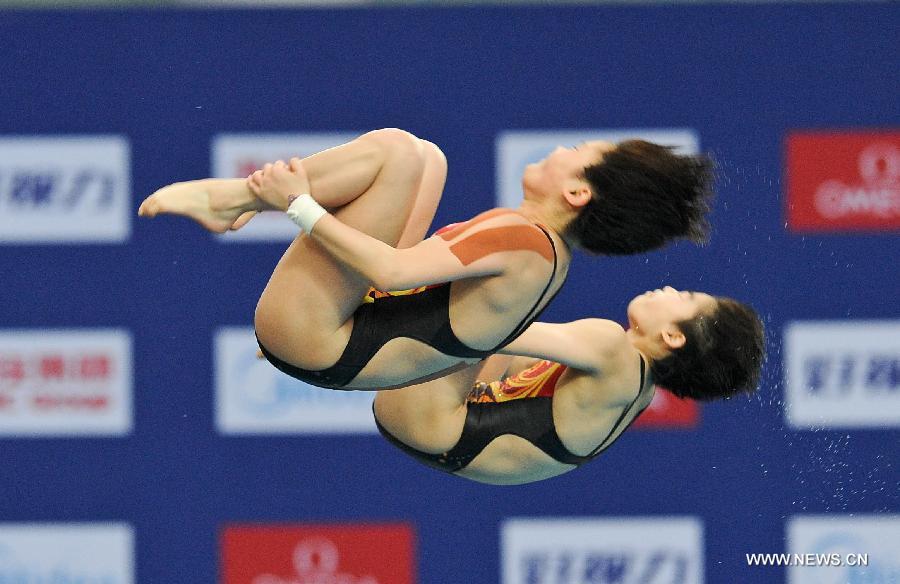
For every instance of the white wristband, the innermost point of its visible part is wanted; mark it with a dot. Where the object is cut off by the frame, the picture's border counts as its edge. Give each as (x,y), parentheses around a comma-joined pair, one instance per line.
(305,212)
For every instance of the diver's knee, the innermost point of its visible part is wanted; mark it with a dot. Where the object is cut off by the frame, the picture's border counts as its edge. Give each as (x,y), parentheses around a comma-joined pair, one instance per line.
(398,144)
(434,157)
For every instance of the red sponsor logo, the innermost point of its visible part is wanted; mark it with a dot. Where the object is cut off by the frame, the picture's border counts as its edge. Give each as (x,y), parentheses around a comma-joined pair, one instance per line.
(843,181)
(40,369)
(318,554)
(668,411)
(55,380)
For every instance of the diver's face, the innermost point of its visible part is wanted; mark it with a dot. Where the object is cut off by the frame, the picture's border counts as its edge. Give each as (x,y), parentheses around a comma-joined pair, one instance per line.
(562,166)
(657,310)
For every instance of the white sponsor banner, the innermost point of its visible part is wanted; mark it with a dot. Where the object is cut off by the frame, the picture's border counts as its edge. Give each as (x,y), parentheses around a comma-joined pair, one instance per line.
(517,149)
(842,374)
(63,553)
(862,549)
(59,189)
(624,550)
(65,382)
(238,155)
(252,397)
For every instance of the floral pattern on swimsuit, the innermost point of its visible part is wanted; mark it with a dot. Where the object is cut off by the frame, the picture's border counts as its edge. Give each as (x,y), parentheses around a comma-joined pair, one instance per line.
(538,380)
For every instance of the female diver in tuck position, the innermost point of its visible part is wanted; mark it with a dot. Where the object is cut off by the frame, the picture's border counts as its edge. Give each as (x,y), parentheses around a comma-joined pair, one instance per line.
(476,286)
(516,420)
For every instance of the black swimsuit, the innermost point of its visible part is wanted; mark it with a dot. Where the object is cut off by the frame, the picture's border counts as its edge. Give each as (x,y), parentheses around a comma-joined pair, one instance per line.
(530,418)
(423,316)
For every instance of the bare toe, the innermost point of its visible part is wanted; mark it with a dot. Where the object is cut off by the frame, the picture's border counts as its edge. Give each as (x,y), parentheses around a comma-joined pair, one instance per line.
(149,208)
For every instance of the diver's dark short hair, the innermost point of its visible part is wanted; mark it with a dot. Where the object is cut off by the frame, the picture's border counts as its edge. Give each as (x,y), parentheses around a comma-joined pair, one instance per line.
(644,196)
(722,354)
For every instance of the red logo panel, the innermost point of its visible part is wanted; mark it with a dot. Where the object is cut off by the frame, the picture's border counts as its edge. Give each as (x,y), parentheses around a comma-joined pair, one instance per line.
(669,412)
(843,181)
(316,554)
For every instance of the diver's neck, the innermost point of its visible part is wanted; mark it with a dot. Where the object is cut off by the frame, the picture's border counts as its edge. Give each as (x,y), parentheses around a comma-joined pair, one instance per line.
(549,217)
(642,345)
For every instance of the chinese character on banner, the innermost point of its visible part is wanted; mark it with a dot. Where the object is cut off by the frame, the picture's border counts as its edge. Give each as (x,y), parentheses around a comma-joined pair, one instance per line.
(843,181)
(52,367)
(842,374)
(310,554)
(65,382)
(94,367)
(65,189)
(624,550)
(12,369)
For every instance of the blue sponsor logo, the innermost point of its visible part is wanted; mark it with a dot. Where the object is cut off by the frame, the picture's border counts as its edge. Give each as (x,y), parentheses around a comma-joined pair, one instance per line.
(839,375)
(659,566)
(89,188)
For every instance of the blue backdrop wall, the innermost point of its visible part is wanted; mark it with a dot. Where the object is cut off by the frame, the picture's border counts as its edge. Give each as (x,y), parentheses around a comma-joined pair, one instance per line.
(741,76)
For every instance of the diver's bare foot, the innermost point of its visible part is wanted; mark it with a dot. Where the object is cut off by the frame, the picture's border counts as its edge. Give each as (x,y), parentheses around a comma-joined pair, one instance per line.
(217,204)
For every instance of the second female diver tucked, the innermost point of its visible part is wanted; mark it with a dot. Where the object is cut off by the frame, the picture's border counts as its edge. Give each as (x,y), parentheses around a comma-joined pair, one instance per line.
(522,419)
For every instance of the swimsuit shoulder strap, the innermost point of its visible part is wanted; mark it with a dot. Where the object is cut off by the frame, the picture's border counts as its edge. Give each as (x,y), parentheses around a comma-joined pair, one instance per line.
(536,310)
(606,443)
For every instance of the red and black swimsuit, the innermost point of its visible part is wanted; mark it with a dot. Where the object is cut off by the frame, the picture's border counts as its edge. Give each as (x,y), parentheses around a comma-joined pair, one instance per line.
(521,405)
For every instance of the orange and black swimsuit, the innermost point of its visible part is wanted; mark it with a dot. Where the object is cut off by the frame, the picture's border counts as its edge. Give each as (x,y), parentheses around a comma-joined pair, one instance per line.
(521,405)
(422,314)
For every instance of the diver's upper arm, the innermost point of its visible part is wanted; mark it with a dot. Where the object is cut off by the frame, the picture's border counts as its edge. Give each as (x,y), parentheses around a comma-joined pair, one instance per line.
(582,344)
